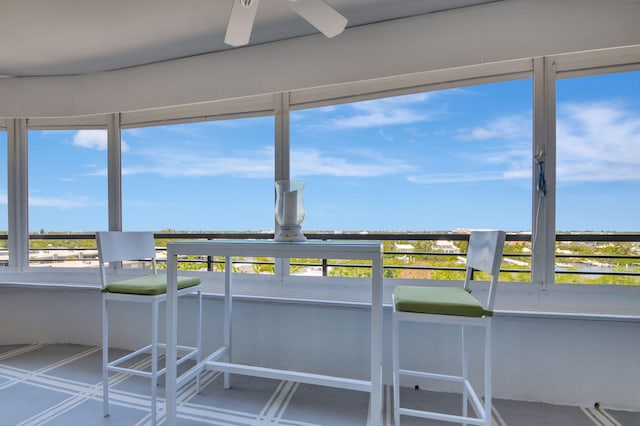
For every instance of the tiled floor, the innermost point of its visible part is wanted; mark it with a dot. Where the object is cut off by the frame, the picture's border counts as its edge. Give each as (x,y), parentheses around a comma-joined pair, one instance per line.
(61,385)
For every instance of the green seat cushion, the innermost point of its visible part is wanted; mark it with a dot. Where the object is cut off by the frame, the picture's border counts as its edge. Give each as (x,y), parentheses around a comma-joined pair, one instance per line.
(438,300)
(149,285)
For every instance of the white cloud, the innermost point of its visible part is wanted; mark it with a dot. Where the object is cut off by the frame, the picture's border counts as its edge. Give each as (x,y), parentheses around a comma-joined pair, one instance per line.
(437,178)
(94,139)
(380,118)
(384,112)
(181,163)
(259,164)
(97,172)
(597,142)
(362,163)
(508,127)
(61,203)
(384,135)
(511,159)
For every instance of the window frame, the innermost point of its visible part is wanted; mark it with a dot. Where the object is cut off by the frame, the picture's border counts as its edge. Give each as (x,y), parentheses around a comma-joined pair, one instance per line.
(544,70)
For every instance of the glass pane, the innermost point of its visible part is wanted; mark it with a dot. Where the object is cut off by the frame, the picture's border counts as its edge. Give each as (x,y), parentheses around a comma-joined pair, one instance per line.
(598,176)
(67,192)
(202,177)
(209,176)
(449,160)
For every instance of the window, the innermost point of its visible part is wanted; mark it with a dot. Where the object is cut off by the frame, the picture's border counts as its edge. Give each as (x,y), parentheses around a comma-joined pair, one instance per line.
(207,176)
(598,175)
(438,161)
(67,190)
(433,161)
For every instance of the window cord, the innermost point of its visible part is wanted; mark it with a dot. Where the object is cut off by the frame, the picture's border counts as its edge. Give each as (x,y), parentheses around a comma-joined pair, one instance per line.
(541,184)
(541,187)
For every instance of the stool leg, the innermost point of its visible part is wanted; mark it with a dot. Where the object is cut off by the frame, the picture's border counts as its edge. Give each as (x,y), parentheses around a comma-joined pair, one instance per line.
(199,338)
(154,359)
(487,373)
(105,357)
(465,394)
(396,368)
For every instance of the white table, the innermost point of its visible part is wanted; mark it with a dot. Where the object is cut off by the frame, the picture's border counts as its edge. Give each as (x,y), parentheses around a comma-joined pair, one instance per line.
(220,359)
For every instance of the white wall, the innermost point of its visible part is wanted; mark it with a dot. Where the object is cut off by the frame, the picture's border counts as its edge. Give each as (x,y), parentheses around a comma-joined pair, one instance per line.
(561,361)
(494,32)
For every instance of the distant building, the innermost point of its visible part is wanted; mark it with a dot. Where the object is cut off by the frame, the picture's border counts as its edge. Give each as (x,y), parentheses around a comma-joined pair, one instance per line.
(403,247)
(446,247)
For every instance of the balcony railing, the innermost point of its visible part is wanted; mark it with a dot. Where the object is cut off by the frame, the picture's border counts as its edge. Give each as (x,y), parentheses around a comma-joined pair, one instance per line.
(580,257)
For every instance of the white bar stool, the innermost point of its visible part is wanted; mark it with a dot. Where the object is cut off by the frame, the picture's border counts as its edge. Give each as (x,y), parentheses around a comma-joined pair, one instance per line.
(452,305)
(149,288)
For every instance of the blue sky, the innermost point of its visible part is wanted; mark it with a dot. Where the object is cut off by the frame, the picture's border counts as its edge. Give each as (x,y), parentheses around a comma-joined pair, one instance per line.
(457,158)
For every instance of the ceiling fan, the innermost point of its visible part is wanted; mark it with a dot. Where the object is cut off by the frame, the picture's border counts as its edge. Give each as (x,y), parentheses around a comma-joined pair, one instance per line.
(318,13)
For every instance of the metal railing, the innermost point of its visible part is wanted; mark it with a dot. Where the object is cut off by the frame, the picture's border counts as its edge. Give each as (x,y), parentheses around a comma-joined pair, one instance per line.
(612,255)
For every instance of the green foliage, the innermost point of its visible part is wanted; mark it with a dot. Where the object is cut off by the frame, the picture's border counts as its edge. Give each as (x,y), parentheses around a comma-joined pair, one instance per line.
(264,267)
(350,272)
(601,279)
(68,244)
(413,263)
(391,273)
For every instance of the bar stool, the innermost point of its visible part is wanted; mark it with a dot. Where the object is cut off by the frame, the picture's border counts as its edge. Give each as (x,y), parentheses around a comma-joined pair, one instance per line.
(456,306)
(149,288)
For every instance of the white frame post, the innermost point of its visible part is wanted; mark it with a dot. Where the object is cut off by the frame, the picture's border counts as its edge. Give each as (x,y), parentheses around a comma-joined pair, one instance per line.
(18,193)
(543,232)
(282,162)
(114,172)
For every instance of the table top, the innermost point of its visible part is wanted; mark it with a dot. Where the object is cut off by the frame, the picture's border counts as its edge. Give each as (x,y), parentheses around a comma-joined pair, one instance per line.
(270,248)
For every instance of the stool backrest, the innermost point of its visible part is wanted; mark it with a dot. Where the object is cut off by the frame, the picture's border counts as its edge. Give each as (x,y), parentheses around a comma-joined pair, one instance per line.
(116,246)
(485,254)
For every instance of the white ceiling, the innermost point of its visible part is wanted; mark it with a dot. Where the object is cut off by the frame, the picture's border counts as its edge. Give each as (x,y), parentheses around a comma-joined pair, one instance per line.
(66,37)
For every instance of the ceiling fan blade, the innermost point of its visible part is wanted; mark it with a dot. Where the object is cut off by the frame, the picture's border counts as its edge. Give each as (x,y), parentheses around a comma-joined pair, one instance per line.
(319,14)
(241,22)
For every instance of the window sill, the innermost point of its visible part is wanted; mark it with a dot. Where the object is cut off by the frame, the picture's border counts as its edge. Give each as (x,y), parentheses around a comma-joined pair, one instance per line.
(597,302)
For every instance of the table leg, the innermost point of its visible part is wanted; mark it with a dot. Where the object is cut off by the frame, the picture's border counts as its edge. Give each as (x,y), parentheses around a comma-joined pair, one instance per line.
(172,338)
(376,342)
(228,299)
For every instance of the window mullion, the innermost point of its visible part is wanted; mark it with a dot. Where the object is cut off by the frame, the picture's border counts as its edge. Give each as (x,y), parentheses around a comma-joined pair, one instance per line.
(114,172)
(544,161)
(18,194)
